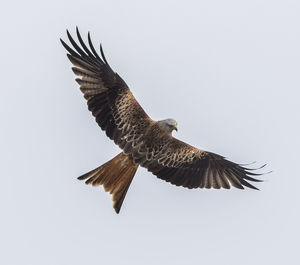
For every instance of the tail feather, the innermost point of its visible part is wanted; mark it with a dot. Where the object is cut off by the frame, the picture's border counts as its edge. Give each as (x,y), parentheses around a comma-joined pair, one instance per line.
(115,176)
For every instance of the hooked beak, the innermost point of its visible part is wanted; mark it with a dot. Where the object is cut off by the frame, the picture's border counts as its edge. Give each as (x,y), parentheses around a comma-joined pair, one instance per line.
(175,128)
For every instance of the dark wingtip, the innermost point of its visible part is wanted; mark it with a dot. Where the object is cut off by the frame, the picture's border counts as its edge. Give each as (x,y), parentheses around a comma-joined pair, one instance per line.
(253,168)
(92,46)
(246,174)
(248,163)
(252,187)
(102,54)
(70,57)
(262,166)
(68,33)
(62,42)
(70,50)
(82,177)
(77,31)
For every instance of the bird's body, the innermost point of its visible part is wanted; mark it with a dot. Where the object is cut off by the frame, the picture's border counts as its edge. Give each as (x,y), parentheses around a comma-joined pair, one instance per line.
(144,142)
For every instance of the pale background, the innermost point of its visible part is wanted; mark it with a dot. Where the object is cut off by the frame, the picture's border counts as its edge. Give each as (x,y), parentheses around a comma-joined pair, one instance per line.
(227,71)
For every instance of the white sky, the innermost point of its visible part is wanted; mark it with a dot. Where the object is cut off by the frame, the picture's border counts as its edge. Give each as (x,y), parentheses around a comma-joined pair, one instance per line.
(227,71)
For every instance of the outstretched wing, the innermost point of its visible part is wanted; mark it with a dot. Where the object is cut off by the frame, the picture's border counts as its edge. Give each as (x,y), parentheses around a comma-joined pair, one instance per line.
(108,97)
(183,165)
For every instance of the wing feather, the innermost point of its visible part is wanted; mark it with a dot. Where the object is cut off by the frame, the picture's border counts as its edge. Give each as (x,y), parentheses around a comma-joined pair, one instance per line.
(184,165)
(108,97)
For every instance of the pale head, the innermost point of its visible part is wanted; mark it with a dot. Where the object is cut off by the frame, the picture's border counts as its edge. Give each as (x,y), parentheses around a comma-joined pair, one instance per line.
(168,125)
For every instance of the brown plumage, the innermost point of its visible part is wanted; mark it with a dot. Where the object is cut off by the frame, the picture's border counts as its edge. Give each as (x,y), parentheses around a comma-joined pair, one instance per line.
(144,142)
(115,176)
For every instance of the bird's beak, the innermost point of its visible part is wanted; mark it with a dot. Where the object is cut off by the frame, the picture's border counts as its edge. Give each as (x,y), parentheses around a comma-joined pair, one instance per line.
(175,128)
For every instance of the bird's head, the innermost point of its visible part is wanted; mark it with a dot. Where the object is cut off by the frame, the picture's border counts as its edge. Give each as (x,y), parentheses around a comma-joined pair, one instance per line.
(169,125)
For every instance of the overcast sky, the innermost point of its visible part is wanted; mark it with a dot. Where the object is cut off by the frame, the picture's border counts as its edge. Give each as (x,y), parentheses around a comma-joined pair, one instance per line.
(227,71)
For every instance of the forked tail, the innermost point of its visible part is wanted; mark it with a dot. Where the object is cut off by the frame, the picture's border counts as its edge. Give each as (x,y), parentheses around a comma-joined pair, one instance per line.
(115,176)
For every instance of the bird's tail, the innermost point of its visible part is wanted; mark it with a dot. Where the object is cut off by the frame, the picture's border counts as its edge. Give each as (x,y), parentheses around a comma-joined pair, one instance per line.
(115,176)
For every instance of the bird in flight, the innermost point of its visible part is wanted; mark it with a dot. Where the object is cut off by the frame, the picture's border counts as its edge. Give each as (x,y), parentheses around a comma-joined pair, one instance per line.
(144,142)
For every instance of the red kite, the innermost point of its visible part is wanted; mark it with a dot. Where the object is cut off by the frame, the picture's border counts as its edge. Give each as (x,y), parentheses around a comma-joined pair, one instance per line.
(144,142)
